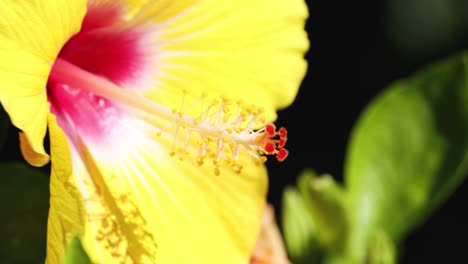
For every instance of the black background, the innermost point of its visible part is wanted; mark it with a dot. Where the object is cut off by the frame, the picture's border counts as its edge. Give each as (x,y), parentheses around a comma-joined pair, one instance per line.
(352,57)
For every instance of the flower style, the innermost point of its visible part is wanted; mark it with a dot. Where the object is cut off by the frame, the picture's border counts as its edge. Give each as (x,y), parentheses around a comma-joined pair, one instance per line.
(156,112)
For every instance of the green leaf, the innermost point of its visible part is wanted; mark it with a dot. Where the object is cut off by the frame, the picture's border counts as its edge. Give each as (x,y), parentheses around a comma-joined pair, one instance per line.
(408,152)
(24,203)
(314,218)
(75,253)
(325,201)
(298,229)
(381,249)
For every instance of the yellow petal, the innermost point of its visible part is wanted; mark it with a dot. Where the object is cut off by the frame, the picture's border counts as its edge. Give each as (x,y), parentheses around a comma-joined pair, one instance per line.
(152,208)
(32,157)
(66,213)
(240,49)
(31,35)
(131,7)
(115,229)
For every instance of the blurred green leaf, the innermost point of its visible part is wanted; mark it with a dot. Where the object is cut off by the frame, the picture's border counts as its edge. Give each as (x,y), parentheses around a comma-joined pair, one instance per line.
(24,199)
(407,152)
(299,229)
(314,218)
(419,28)
(75,253)
(325,201)
(381,249)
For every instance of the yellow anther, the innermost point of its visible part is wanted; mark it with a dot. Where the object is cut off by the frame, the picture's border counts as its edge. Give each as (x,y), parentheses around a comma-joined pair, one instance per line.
(262,119)
(261,160)
(237,168)
(239,129)
(181,151)
(225,99)
(222,131)
(199,161)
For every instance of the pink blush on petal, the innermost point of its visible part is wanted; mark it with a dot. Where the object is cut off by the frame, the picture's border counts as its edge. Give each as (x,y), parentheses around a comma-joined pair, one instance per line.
(92,116)
(105,48)
(116,55)
(100,15)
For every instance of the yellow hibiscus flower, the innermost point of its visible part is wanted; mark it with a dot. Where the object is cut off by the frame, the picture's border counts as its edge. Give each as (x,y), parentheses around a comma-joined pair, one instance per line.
(156,112)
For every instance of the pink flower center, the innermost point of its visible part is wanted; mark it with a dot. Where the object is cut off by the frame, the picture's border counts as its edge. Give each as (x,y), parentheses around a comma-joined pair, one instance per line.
(105,48)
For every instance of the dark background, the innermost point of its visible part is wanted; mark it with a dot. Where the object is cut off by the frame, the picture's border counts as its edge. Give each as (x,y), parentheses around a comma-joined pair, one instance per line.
(358,48)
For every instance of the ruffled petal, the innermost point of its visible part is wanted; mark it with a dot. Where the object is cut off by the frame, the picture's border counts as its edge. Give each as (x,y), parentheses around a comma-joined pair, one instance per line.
(66,213)
(33,157)
(31,35)
(240,49)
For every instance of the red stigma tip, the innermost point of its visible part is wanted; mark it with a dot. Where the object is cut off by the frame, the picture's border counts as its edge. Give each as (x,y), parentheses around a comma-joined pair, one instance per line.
(283,132)
(272,142)
(270,148)
(270,130)
(282,154)
(282,142)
